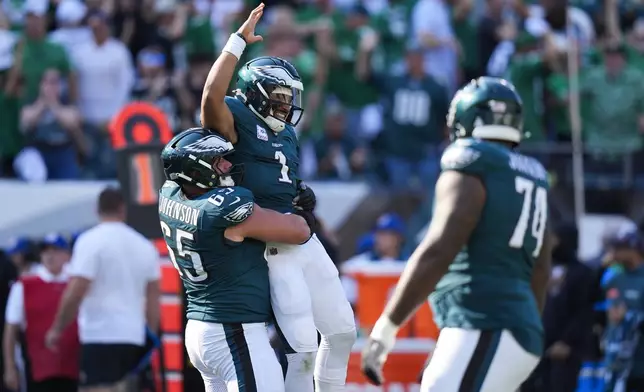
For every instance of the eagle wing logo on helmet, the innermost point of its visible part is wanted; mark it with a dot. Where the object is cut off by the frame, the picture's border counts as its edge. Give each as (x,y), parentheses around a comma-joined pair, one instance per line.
(210,143)
(240,213)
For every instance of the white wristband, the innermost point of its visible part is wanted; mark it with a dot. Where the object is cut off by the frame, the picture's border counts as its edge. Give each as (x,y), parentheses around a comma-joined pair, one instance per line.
(384,331)
(235,46)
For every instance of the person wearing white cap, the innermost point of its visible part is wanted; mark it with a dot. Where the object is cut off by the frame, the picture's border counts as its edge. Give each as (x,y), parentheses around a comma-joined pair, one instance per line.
(71,33)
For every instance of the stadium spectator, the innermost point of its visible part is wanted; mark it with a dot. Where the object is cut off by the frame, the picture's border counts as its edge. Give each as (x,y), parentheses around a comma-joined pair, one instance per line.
(432,29)
(628,251)
(153,84)
(35,54)
(388,241)
(9,102)
(105,75)
(54,128)
(115,282)
(32,307)
(189,85)
(414,110)
(70,32)
(338,155)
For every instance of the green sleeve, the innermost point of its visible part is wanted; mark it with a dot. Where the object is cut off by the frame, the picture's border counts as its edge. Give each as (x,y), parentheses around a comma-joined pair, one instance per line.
(228,207)
(64,65)
(241,117)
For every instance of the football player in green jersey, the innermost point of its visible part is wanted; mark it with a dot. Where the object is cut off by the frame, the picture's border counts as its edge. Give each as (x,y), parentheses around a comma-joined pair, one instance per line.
(306,292)
(485,258)
(215,233)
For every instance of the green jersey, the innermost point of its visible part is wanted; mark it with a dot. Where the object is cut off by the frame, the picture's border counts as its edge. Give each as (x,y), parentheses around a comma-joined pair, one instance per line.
(225,281)
(270,159)
(488,285)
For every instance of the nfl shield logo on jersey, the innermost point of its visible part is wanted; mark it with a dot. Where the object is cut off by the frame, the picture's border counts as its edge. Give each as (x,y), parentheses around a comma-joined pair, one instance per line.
(261,134)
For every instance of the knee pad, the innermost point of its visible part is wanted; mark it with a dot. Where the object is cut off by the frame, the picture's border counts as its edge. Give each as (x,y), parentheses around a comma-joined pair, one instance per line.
(333,357)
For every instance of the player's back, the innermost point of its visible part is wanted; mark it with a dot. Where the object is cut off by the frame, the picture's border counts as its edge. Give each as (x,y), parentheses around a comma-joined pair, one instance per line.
(488,286)
(225,282)
(270,159)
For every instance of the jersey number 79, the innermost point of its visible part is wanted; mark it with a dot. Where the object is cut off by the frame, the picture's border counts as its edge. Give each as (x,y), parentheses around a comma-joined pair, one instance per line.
(539,214)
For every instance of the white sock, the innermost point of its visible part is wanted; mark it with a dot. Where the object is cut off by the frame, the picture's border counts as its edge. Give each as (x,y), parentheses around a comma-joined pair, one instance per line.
(299,373)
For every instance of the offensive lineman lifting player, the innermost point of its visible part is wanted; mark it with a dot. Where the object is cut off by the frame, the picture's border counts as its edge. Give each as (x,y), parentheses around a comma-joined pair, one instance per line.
(213,231)
(485,258)
(306,293)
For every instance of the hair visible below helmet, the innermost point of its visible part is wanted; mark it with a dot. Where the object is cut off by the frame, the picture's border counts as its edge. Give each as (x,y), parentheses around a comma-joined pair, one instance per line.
(487,108)
(192,158)
(272,89)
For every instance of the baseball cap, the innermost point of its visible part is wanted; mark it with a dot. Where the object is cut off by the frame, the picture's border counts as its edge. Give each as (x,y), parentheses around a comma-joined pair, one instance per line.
(55,240)
(627,239)
(17,245)
(390,222)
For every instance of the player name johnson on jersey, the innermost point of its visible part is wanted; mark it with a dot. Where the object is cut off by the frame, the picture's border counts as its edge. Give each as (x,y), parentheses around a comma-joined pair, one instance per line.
(225,282)
(270,159)
(488,285)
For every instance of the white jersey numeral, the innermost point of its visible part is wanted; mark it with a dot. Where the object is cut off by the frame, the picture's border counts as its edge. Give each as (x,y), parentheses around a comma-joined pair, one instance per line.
(189,255)
(284,172)
(539,215)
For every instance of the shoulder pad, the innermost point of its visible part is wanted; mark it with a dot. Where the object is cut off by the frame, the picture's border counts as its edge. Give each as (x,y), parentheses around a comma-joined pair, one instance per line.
(230,206)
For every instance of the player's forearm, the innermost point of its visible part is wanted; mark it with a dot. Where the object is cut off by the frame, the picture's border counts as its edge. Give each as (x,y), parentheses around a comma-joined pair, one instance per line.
(286,228)
(213,106)
(540,277)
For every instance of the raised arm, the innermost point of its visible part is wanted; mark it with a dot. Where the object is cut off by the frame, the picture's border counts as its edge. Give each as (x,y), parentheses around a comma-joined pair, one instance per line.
(214,111)
(270,226)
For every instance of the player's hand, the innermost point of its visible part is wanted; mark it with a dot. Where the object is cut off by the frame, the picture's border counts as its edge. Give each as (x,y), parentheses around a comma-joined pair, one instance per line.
(374,356)
(305,199)
(310,219)
(247,30)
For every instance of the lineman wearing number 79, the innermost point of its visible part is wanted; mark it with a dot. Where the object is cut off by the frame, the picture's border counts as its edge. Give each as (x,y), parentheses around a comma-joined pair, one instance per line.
(306,292)
(485,258)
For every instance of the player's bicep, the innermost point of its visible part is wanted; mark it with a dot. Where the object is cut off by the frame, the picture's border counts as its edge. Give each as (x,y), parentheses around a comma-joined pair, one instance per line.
(459,201)
(216,115)
(270,226)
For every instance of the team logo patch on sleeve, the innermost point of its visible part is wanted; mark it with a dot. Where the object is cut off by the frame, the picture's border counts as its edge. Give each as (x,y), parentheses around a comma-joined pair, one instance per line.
(459,157)
(240,213)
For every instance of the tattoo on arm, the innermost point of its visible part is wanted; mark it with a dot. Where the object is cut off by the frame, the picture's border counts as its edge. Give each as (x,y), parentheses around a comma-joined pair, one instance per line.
(459,201)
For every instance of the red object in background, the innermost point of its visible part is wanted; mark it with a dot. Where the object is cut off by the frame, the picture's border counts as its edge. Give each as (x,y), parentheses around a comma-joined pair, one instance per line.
(41,301)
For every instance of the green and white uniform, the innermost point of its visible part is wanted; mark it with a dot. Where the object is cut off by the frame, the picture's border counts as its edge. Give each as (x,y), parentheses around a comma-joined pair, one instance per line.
(305,288)
(226,285)
(484,304)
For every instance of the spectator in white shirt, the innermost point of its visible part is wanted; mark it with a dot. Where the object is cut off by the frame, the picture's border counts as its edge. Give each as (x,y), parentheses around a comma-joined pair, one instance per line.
(114,282)
(105,78)
(70,33)
(432,29)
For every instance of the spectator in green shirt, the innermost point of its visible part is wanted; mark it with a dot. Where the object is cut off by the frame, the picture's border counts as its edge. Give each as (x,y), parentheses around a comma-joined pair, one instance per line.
(38,54)
(615,94)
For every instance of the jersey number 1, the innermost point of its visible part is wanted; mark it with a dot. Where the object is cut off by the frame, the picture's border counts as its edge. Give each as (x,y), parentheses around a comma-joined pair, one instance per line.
(284,172)
(539,215)
(193,257)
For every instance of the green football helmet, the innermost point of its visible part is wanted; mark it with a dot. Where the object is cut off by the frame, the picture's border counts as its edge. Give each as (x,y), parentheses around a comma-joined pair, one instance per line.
(486,108)
(272,89)
(194,157)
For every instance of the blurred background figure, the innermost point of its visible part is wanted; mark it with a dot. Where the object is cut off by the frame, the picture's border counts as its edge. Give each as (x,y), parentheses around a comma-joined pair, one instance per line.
(567,317)
(31,308)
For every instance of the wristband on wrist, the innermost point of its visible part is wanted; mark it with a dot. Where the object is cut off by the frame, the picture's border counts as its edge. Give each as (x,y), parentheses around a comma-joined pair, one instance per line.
(235,45)
(384,330)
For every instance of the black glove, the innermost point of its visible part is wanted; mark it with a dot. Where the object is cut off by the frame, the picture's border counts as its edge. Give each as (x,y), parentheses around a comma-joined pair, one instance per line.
(310,219)
(305,199)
